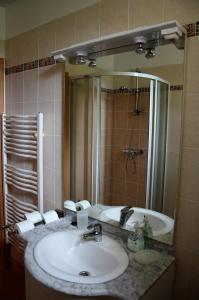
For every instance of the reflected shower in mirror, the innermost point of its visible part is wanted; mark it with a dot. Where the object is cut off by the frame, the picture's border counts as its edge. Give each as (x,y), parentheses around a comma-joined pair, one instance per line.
(125,131)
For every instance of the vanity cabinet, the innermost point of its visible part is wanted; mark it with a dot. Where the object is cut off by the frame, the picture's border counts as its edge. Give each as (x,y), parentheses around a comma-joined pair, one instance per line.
(161,289)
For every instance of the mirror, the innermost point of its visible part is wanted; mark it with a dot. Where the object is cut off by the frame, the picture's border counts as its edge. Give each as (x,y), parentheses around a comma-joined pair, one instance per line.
(125,134)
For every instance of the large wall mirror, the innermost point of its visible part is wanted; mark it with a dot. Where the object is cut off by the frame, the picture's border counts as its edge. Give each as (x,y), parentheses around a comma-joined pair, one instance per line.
(125,135)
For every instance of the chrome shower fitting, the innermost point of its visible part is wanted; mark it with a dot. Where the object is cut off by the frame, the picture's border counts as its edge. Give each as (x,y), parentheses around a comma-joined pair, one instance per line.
(151,53)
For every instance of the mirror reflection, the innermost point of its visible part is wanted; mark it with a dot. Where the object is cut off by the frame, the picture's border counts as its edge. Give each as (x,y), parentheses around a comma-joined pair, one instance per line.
(125,131)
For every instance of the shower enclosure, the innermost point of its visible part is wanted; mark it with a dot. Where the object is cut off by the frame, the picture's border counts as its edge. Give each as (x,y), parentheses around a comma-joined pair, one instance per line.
(118,139)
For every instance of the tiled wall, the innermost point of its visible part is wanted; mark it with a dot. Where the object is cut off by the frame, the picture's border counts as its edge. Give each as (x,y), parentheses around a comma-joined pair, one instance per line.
(37,88)
(99,20)
(123,180)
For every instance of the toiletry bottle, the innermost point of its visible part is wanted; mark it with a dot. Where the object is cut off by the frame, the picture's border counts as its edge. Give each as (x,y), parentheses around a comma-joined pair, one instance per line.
(147,229)
(82,219)
(135,239)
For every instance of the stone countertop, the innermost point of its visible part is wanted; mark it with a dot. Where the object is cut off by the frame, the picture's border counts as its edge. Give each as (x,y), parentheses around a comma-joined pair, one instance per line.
(131,285)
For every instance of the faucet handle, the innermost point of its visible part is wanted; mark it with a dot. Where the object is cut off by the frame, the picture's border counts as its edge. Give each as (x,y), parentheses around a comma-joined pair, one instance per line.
(97,227)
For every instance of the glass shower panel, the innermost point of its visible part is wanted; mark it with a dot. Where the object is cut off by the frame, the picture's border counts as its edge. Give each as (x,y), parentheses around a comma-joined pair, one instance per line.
(79,136)
(159,145)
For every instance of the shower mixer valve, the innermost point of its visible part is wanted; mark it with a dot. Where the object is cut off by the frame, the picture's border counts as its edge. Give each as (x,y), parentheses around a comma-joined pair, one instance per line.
(133,152)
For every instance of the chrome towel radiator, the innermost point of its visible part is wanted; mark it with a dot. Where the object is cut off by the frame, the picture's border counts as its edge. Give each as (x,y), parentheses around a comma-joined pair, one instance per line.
(22,168)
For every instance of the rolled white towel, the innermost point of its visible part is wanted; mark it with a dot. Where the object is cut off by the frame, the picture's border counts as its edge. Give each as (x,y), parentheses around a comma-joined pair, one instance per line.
(83,204)
(24,226)
(50,216)
(34,217)
(68,204)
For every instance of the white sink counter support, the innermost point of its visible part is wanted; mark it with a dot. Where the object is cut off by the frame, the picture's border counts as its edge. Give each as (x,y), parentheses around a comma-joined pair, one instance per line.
(131,285)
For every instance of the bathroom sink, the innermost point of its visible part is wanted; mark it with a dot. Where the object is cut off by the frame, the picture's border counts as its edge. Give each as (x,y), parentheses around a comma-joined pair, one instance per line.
(66,256)
(161,224)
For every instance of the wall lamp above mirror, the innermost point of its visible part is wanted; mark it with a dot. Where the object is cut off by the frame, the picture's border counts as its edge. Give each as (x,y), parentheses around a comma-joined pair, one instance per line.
(142,41)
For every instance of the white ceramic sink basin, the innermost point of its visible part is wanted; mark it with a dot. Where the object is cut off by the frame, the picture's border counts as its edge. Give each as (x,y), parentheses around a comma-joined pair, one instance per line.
(161,224)
(64,255)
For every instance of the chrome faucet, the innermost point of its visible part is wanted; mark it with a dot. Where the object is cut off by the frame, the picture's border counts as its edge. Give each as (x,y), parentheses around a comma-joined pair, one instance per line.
(125,214)
(96,234)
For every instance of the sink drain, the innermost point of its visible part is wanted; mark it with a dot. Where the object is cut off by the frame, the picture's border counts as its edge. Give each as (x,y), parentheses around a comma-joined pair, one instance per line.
(84,273)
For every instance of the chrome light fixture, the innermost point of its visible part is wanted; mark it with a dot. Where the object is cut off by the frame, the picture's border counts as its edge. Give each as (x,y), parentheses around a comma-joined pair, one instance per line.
(151,53)
(80,58)
(92,63)
(140,42)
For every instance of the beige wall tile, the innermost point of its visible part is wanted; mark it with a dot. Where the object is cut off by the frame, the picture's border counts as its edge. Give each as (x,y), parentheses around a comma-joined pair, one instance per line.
(106,119)
(46,83)
(59,118)
(30,45)
(121,102)
(174,131)
(49,189)
(171,193)
(59,92)
(106,154)
(106,137)
(48,109)
(14,51)
(116,154)
(187,231)
(8,88)
(184,11)
(87,24)
(17,87)
(65,31)
(119,137)
(59,196)
(17,108)
(192,78)
(8,108)
(133,139)
(113,16)
(144,12)
(131,174)
(46,39)
(117,170)
(191,123)
(187,274)
(30,108)
(49,151)
(30,85)
(189,188)
(58,153)
(120,120)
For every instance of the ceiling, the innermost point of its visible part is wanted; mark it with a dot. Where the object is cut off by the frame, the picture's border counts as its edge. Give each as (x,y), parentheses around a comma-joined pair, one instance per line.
(4,3)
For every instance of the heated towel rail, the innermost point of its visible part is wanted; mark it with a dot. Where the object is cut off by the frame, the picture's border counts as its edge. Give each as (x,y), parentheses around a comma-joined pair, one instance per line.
(23,168)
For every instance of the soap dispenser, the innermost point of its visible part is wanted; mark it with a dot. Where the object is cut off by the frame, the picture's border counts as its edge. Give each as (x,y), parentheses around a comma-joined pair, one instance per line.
(135,239)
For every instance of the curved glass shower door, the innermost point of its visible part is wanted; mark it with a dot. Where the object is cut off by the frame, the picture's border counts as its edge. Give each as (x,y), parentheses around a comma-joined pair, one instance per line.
(118,129)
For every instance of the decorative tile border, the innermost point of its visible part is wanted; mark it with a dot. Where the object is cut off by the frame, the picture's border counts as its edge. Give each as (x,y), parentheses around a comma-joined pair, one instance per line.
(133,90)
(192,29)
(43,62)
(176,87)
